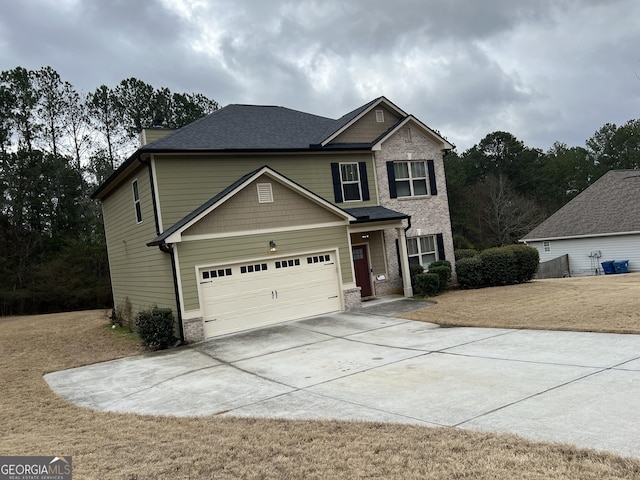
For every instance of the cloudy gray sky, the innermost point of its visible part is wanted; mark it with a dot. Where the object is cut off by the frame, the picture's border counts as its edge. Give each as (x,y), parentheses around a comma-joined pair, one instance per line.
(543,70)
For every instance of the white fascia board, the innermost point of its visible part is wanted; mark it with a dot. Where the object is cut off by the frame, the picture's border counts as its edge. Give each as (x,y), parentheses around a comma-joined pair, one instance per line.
(245,233)
(445,144)
(571,237)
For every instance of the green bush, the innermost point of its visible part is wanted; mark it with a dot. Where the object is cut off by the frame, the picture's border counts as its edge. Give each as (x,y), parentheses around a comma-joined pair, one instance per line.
(527,261)
(499,266)
(441,263)
(465,253)
(428,284)
(469,272)
(444,274)
(155,327)
(415,270)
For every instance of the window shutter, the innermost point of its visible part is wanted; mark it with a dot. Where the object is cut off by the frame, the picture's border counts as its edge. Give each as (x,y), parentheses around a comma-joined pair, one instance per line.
(337,187)
(440,241)
(364,181)
(433,188)
(392,180)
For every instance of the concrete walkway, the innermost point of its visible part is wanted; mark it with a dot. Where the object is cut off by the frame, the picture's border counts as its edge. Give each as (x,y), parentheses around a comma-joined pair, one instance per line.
(581,388)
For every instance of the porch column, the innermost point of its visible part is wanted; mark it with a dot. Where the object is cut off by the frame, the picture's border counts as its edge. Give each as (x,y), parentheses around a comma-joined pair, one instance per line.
(404,263)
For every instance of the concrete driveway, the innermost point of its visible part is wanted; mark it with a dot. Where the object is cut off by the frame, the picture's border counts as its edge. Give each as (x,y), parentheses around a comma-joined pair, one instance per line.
(581,388)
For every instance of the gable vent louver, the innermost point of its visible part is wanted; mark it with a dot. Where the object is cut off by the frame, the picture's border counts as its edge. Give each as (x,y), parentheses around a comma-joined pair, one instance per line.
(265,193)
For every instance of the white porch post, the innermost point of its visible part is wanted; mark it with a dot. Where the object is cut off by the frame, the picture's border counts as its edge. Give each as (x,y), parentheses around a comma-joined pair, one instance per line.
(404,263)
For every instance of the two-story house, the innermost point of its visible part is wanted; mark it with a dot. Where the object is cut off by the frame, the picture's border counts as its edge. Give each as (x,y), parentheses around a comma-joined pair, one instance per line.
(254,215)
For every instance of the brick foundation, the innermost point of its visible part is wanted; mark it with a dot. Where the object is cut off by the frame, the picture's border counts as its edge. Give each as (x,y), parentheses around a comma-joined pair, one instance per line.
(352,298)
(193,330)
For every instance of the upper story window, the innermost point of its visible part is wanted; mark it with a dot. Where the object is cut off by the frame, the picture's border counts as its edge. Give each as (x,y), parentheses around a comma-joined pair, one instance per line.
(547,246)
(380,116)
(136,201)
(350,183)
(412,178)
(422,250)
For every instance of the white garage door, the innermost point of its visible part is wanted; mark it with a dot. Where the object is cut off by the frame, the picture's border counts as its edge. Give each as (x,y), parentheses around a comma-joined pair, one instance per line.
(248,295)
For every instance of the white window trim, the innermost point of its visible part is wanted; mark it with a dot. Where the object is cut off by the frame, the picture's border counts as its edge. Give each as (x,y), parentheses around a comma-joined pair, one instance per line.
(546,246)
(411,179)
(380,116)
(350,182)
(420,253)
(137,203)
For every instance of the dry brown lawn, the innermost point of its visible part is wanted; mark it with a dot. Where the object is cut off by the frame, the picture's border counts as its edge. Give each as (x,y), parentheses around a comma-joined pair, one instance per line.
(34,421)
(606,303)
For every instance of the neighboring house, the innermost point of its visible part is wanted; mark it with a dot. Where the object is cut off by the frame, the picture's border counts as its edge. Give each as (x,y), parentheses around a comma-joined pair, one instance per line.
(601,224)
(259,214)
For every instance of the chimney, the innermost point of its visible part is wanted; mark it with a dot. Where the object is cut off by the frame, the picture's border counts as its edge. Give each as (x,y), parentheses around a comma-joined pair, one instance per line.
(156,132)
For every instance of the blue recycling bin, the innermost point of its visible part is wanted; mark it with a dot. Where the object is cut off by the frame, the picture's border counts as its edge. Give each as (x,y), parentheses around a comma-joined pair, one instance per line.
(608,267)
(621,266)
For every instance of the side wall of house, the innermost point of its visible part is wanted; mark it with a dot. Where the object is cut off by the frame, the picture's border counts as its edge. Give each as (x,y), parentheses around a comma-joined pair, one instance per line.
(580,250)
(141,273)
(430,214)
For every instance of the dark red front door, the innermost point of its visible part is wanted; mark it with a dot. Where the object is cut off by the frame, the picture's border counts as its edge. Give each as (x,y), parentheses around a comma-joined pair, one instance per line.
(361,265)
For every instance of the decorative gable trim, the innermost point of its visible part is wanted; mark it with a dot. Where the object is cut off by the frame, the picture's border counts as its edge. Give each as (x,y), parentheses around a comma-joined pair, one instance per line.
(445,145)
(373,106)
(174,234)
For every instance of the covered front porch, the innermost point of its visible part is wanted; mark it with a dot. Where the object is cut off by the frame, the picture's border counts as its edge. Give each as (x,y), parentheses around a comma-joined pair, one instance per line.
(379,252)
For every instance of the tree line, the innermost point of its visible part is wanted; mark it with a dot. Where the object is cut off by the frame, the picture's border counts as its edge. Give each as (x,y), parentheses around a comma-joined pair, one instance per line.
(500,189)
(56,145)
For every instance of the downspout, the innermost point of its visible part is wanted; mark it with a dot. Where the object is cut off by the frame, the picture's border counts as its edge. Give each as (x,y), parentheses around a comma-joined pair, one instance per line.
(164,247)
(168,248)
(408,224)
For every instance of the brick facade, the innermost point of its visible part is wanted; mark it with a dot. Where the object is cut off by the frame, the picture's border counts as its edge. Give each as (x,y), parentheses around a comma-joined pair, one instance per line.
(429,215)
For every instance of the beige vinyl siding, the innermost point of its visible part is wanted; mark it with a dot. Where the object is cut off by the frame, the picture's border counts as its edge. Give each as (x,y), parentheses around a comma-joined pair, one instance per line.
(139,272)
(367,129)
(186,182)
(253,247)
(244,212)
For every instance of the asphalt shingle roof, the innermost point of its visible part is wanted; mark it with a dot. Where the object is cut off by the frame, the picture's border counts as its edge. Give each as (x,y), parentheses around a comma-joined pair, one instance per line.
(256,127)
(610,205)
(247,127)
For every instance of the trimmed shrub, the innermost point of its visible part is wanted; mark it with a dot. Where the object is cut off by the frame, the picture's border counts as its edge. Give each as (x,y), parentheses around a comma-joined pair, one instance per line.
(441,263)
(428,284)
(469,272)
(155,327)
(444,275)
(499,266)
(527,260)
(465,253)
(415,270)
